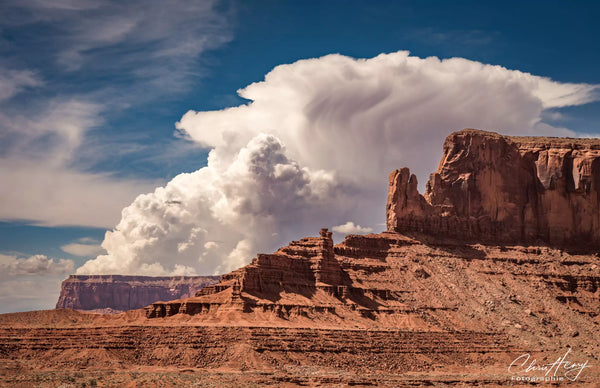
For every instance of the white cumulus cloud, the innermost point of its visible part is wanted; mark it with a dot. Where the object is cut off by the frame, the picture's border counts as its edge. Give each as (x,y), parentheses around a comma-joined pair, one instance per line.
(31,283)
(350,228)
(213,220)
(34,265)
(313,147)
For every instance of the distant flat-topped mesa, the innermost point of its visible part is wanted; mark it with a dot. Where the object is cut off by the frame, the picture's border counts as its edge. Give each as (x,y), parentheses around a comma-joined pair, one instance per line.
(505,189)
(116,293)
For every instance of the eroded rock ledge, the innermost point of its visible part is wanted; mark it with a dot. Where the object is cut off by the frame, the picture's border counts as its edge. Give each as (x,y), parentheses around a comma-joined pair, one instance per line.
(504,189)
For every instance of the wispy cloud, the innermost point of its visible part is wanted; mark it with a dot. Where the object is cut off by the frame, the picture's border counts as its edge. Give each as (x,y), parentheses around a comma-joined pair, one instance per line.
(50,131)
(136,41)
(40,184)
(83,250)
(106,57)
(84,247)
(35,265)
(14,81)
(350,228)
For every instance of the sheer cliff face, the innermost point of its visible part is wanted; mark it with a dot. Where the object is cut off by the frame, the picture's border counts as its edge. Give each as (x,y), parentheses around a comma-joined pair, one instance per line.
(121,293)
(493,188)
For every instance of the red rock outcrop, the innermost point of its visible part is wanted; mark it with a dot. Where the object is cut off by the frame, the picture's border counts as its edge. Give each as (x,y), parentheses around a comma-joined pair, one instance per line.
(304,268)
(504,189)
(116,293)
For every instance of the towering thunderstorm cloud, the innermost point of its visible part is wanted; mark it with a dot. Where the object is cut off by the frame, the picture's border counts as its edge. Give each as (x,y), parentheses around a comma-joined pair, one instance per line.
(313,148)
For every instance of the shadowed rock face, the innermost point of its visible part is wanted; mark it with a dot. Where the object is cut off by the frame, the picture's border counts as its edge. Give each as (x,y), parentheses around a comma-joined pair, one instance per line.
(120,293)
(503,189)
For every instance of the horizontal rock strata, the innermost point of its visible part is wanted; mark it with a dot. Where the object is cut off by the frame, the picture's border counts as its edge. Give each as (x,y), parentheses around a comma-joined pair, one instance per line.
(214,346)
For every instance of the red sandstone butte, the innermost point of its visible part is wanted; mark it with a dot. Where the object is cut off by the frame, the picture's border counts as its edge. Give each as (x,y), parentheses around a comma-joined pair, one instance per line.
(505,189)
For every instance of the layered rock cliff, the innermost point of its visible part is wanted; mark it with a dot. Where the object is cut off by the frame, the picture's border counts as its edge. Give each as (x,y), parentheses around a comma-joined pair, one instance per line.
(504,189)
(120,293)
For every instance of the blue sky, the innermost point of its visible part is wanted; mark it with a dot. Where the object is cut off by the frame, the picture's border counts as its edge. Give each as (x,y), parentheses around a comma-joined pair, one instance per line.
(90,94)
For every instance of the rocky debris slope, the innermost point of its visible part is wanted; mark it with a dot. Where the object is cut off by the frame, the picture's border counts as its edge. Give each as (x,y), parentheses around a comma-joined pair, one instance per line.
(503,189)
(116,293)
